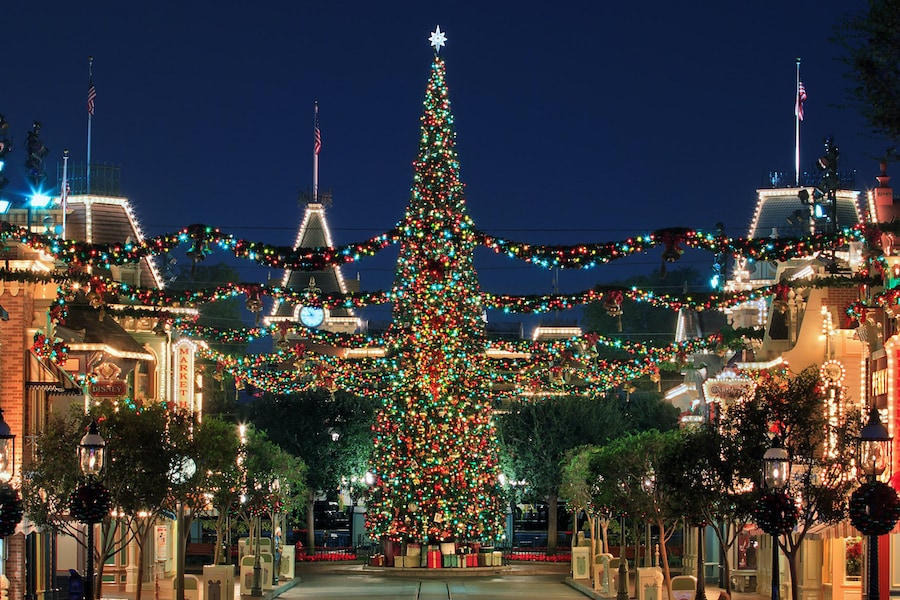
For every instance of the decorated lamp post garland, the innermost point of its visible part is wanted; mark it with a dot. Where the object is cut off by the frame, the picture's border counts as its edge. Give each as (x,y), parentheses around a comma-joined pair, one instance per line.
(775,511)
(11,507)
(90,502)
(874,506)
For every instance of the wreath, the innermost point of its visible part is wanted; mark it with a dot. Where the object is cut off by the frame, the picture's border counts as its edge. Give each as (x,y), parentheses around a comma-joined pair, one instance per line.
(776,513)
(874,508)
(11,510)
(90,502)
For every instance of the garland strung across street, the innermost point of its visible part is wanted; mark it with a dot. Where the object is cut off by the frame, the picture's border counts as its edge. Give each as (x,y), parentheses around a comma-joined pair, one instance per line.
(578,256)
(600,374)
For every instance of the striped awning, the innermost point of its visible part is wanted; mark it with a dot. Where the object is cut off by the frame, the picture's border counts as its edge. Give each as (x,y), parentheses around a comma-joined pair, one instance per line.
(823,531)
(47,375)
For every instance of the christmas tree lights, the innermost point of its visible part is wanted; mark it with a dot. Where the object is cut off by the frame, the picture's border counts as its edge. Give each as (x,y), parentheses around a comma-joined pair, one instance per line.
(435,457)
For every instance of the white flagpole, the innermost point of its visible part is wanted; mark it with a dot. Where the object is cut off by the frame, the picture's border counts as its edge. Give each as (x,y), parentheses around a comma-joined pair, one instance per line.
(64,192)
(797,127)
(90,116)
(316,138)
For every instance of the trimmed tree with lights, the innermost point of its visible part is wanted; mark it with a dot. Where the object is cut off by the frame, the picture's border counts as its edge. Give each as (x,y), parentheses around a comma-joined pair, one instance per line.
(435,448)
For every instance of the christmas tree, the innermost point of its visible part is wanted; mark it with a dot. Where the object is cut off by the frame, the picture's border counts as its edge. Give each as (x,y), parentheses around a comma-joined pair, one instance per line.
(435,443)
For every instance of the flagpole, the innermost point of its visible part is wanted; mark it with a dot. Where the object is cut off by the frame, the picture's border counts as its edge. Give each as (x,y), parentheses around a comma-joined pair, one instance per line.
(90,116)
(797,110)
(64,192)
(316,145)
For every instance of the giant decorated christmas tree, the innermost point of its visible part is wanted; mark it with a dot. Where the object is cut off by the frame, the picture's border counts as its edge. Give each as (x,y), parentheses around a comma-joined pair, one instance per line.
(435,444)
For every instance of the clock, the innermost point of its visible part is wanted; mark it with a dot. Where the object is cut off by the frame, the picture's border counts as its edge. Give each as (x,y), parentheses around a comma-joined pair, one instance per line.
(312,316)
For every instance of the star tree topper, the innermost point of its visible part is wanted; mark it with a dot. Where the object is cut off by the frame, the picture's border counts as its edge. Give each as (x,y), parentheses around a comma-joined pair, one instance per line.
(437,39)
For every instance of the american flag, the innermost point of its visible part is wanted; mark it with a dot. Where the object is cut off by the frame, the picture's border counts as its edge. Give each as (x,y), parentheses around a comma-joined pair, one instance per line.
(801,98)
(318,136)
(92,94)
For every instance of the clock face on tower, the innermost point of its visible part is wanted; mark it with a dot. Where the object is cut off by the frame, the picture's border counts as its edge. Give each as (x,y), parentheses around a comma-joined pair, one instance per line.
(312,316)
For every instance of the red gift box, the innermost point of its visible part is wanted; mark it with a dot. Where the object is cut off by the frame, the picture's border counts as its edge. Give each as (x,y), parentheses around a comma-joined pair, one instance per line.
(434,559)
(471,560)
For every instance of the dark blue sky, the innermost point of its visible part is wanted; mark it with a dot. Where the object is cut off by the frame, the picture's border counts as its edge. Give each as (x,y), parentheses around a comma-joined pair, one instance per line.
(576,121)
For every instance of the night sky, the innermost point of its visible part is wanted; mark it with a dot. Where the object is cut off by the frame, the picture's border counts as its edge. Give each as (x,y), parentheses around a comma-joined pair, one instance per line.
(575,121)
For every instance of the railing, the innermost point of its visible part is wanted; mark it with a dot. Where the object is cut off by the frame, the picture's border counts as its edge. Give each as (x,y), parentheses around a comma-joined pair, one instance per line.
(537,554)
(328,554)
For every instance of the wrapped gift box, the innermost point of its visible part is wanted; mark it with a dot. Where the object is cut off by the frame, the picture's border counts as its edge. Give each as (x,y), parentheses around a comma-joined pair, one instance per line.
(497,557)
(434,559)
(414,550)
(448,548)
(471,560)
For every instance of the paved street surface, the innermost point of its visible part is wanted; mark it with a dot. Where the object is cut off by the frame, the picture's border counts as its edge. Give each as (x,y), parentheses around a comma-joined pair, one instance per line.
(325,581)
(333,585)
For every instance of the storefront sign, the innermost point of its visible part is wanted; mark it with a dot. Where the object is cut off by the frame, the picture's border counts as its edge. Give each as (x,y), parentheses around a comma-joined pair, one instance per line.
(184,374)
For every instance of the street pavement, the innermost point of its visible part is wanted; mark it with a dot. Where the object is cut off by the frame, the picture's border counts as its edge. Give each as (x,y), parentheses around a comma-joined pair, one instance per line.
(332,581)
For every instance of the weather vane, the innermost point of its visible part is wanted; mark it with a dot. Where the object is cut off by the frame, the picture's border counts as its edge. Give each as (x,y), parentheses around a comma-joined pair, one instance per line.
(437,39)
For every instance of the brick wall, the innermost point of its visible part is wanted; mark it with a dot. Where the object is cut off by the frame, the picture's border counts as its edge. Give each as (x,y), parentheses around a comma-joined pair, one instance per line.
(19,303)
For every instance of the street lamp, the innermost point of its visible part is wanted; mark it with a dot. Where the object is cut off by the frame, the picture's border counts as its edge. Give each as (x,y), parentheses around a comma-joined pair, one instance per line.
(776,503)
(11,508)
(91,501)
(182,470)
(874,506)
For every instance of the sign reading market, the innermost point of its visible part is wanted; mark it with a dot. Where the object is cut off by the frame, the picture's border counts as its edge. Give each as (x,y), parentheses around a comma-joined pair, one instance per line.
(183,391)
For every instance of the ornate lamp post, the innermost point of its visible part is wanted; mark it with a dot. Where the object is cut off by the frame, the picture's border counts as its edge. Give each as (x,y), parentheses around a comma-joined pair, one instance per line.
(874,506)
(11,508)
(91,501)
(775,512)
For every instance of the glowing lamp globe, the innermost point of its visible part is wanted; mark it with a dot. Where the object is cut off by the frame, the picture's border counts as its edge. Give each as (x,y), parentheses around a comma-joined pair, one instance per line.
(776,467)
(92,452)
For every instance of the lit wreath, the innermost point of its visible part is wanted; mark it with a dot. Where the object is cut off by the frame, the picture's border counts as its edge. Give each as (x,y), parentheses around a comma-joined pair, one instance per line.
(775,513)
(11,510)
(874,508)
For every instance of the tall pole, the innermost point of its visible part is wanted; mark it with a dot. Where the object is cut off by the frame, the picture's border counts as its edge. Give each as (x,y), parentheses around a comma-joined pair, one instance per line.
(64,191)
(179,550)
(89,580)
(872,570)
(700,592)
(317,145)
(798,116)
(776,583)
(92,93)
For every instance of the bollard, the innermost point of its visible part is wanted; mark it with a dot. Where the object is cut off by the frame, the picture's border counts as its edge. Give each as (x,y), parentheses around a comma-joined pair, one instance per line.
(622,592)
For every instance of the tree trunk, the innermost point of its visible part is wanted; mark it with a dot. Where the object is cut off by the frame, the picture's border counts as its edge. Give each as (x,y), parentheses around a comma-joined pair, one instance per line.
(141,540)
(219,554)
(792,569)
(310,523)
(725,542)
(552,524)
(604,528)
(701,567)
(664,558)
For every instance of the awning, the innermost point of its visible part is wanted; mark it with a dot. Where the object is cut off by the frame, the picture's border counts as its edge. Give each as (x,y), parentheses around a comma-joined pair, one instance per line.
(91,329)
(823,531)
(45,374)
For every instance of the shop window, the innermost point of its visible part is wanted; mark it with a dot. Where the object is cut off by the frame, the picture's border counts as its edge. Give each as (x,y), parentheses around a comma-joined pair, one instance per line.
(853,558)
(747,551)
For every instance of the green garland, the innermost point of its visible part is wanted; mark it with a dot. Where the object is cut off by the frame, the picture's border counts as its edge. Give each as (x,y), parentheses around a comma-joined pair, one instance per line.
(90,502)
(874,508)
(776,513)
(11,510)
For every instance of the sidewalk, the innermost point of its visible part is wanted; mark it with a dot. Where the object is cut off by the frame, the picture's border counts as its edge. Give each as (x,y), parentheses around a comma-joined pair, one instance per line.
(712,591)
(166,591)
